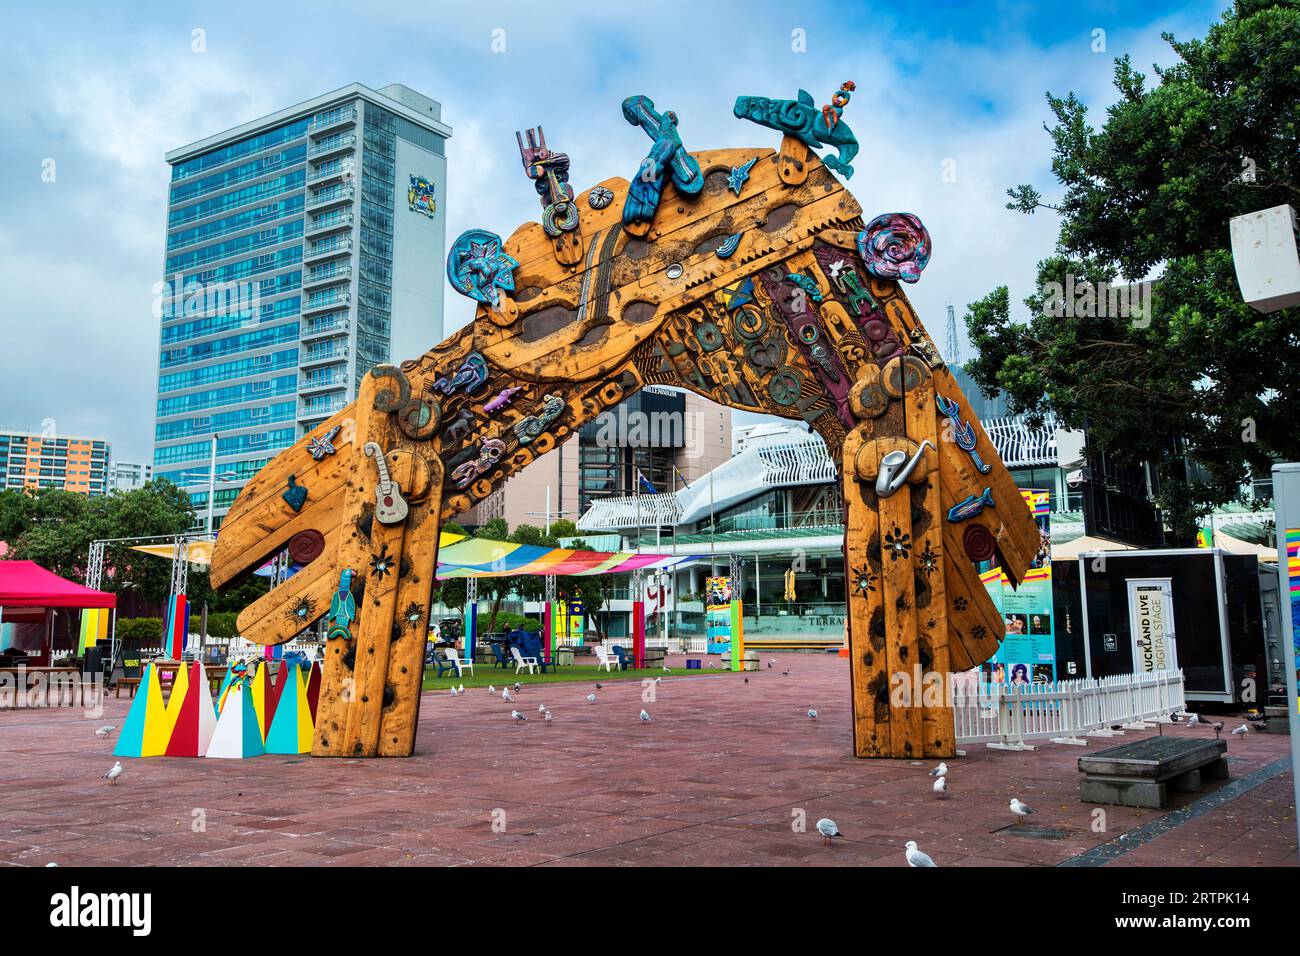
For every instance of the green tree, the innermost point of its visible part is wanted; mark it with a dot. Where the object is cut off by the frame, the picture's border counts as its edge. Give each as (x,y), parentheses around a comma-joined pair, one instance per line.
(1152,192)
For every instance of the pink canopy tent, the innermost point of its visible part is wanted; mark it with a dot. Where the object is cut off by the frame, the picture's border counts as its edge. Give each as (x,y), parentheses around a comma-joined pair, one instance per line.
(27,584)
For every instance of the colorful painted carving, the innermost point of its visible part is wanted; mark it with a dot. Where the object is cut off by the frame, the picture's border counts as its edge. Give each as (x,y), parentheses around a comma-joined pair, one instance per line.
(600,197)
(667,157)
(503,398)
(477,267)
(963,433)
(472,373)
(737,294)
(729,246)
(739,175)
(490,452)
(295,494)
(324,445)
(390,506)
(549,172)
(343,608)
(420,196)
(807,283)
(801,119)
(832,112)
(971,505)
(895,245)
(526,429)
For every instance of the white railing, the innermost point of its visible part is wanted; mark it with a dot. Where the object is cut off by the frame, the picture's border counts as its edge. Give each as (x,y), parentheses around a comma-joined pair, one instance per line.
(1005,716)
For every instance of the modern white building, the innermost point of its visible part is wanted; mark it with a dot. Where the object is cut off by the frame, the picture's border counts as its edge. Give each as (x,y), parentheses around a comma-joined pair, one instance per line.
(128,475)
(303,248)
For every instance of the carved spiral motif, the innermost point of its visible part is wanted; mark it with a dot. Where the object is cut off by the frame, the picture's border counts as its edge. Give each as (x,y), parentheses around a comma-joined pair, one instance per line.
(895,246)
(418,417)
(978,542)
(306,546)
(600,197)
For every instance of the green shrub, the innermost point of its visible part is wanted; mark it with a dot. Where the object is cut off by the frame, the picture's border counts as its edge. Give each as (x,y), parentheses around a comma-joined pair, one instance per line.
(143,629)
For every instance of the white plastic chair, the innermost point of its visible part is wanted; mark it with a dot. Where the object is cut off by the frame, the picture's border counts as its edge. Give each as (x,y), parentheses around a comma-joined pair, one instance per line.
(450,654)
(521,662)
(605,659)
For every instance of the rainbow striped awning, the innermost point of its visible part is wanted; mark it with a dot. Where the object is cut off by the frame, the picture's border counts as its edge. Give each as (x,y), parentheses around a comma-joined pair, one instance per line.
(481,558)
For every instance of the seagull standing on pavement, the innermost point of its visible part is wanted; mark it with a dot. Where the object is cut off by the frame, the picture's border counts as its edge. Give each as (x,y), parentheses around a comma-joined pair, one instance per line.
(112,775)
(940,771)
(812,714)
(1218,728)
(517,716)
(1021,809)
(1193,720)
(941,788)
(1243,729)
(462,688)
(491,689)
(548,718)
(541,708)
(518,687)
(105,730)
(591,698)
(829,831)
(645,715)
(506,695)
(915,857)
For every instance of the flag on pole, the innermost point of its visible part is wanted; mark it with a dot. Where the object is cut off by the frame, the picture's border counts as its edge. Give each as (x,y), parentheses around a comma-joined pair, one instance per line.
(681,477)
(645,484)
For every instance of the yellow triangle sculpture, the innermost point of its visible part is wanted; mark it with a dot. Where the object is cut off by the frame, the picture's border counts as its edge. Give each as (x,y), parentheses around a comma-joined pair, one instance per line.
(291,729)
(140,731)
(259,697)
(158,731)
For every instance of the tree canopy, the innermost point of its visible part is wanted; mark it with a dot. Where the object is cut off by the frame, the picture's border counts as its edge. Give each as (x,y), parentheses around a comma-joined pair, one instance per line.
(1150,194)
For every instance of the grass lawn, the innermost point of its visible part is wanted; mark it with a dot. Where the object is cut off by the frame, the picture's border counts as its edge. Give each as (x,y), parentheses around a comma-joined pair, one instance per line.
(487,674)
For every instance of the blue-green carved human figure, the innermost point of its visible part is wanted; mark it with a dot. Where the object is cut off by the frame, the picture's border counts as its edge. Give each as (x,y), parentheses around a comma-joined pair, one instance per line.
(667,157)
(803,120)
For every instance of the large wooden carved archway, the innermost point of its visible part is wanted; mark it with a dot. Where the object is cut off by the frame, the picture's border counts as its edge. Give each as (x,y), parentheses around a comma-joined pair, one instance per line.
(745,275)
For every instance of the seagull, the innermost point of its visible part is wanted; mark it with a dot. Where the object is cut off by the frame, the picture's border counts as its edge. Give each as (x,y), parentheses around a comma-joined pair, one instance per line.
(645,714)
(666,669)
(1194,719)
(506,695)
(829,831)
(105,730)
(541,708)
(591,698)
(916,858)
(518,687)
(812,714)
(1243,729)
(548,718)
(941,788)
(659,680)
(1217,729)
(517,716)
(491,689)
(462,688)
(940,771)
(1021,809)
(114,773)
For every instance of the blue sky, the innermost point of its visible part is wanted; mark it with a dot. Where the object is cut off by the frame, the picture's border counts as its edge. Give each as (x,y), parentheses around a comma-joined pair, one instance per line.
(942,86)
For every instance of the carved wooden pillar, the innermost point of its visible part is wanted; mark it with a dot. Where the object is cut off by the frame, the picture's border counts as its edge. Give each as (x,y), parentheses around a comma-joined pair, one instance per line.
(898,636)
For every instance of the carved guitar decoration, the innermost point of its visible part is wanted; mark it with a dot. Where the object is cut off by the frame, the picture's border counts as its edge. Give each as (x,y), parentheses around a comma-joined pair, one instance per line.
(390,506)
(748,276)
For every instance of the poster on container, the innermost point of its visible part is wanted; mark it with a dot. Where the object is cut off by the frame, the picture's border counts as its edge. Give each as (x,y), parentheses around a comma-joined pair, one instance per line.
(1028,651)
(717,614)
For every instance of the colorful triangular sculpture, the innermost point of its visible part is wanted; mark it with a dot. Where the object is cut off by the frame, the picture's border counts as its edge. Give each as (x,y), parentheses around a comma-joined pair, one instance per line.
(159,733)
(236,734)
(146,711)
(291,727)
(197,718)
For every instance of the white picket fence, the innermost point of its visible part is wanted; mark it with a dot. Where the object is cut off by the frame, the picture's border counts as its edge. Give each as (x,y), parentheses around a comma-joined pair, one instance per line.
(1006,716)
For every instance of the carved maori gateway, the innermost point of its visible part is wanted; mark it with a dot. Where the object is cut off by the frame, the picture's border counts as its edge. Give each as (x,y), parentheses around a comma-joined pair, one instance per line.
(745,275)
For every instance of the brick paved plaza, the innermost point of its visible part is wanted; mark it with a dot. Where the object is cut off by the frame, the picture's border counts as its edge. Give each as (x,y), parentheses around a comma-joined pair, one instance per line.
(712,779)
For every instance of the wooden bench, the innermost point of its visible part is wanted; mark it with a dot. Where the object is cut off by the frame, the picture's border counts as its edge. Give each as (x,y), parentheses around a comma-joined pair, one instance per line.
(1141,773)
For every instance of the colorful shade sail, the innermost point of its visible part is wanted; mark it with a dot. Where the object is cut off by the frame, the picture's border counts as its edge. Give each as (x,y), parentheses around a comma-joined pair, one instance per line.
(482,558)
